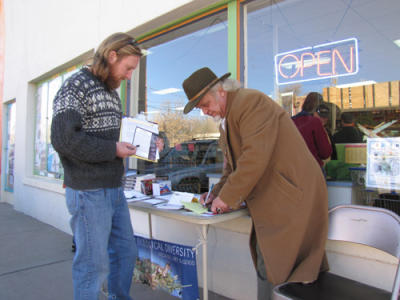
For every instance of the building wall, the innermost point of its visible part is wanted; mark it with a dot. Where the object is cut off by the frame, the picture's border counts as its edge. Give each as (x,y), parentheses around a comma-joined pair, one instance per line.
(43,37)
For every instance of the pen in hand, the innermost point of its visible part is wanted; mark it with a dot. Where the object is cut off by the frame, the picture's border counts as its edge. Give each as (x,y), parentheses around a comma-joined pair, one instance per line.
(132,148)
(208,195)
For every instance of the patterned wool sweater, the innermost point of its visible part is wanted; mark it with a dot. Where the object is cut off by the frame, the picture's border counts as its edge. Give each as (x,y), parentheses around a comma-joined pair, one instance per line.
(84,131)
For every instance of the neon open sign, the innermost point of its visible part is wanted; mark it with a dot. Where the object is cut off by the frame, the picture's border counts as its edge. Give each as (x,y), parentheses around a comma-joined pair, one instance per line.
(319,62)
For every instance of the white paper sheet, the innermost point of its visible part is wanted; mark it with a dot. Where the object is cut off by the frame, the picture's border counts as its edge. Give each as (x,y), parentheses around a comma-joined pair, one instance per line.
(180,197)
(154,201)
(169,206)
(142,133)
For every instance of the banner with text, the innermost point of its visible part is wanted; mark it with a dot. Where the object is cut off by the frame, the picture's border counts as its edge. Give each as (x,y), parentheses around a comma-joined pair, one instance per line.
(167,266)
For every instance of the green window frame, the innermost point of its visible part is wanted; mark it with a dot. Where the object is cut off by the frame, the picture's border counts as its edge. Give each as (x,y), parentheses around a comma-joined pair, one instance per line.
(46,161)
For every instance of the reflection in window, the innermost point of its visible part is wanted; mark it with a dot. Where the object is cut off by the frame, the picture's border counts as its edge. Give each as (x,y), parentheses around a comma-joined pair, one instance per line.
(188,163)
(46,160)
(372,94)
(10,147)
(202,43)
(172,58)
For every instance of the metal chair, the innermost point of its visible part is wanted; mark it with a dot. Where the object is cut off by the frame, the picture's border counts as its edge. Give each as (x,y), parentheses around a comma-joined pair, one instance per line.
(371,226)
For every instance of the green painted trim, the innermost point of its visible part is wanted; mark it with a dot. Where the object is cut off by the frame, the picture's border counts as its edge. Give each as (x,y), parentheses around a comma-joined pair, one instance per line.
(183,19)
(123,96)
(232,38)
(59,74)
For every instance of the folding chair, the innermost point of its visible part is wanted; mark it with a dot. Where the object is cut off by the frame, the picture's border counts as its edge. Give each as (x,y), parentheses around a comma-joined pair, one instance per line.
(371,226)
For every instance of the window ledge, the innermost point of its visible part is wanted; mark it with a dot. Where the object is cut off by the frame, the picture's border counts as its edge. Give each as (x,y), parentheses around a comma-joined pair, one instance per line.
(51,185)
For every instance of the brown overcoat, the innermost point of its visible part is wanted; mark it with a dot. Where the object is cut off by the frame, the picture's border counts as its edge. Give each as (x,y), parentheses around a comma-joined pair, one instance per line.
(269,166)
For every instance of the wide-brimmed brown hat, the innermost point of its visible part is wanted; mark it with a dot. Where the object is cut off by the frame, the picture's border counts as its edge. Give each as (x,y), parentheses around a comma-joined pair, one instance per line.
(198,84)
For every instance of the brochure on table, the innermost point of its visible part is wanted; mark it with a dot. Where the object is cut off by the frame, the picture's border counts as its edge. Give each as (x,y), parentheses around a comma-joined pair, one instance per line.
(172,201)
(142,134)
(383,163)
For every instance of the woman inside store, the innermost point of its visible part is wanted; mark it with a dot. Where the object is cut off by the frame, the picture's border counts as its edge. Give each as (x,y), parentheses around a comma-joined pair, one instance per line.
(312,130)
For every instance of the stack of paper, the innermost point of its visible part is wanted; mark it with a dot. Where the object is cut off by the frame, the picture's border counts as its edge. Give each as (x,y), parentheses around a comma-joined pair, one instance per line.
(178,200)
(181,198)
(132,195)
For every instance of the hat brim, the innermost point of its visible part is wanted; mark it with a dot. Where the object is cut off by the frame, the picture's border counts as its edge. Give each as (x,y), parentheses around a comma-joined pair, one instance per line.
(195,100)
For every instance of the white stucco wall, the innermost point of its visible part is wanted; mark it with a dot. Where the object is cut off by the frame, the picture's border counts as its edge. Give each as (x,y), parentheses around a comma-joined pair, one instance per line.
(41,37)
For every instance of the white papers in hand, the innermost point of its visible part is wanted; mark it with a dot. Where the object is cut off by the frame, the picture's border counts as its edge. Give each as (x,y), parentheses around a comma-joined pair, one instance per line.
(143,134)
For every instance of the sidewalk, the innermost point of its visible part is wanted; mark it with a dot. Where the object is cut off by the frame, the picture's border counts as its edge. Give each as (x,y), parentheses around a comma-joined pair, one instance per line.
(36,259)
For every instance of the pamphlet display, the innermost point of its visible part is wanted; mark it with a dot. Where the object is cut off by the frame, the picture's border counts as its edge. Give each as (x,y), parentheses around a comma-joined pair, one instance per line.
(383,163)
(143,135)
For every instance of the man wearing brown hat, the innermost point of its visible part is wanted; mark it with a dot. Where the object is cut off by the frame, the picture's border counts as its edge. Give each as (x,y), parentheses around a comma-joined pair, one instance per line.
(269,167)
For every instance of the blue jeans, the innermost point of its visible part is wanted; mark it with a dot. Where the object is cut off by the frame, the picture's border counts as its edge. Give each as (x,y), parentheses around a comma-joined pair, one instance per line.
(105,244)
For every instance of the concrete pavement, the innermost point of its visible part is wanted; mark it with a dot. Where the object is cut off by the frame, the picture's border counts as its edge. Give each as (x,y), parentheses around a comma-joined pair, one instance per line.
(36,259)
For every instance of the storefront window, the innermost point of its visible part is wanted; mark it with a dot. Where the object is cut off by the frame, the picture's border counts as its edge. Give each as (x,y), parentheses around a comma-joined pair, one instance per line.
(171,58)
(296,47)
(345,50)
(10,148)
(46,162)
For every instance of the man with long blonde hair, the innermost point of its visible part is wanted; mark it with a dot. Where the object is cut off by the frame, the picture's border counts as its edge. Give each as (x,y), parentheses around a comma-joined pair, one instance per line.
(85,132)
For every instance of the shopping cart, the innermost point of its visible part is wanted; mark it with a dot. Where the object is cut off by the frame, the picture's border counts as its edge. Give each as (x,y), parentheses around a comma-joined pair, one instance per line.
(389,201)
(373,197)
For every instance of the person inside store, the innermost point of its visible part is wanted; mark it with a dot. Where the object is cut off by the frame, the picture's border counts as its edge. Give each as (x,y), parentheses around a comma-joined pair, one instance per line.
(85,132)
(312,130)
(270,169)
(322,112)
(349,133)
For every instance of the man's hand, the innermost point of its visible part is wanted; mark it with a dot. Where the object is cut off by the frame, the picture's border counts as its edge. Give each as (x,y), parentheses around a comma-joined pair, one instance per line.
(203,198)
(219,207)
(125,149)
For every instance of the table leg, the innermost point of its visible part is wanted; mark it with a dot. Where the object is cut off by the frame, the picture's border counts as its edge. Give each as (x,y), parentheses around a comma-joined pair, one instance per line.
(204,229)
(150,227)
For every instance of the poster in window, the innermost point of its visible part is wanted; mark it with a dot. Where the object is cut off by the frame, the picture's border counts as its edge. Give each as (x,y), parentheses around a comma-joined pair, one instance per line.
(383,163)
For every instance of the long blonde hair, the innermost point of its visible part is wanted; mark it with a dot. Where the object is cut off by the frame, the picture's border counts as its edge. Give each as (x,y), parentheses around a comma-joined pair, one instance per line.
(122,43)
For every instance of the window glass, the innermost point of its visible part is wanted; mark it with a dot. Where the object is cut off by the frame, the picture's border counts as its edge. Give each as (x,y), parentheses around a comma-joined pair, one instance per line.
(287,26)
(10,148)
(345,50)
(46,160)
(40,134)
(171,58)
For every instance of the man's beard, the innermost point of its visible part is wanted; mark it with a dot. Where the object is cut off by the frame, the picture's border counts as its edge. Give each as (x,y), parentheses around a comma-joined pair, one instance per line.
(112,83)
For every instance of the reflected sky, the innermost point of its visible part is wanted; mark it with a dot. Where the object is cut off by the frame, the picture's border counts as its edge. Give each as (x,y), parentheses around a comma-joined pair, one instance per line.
(284,26)
(170,63)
